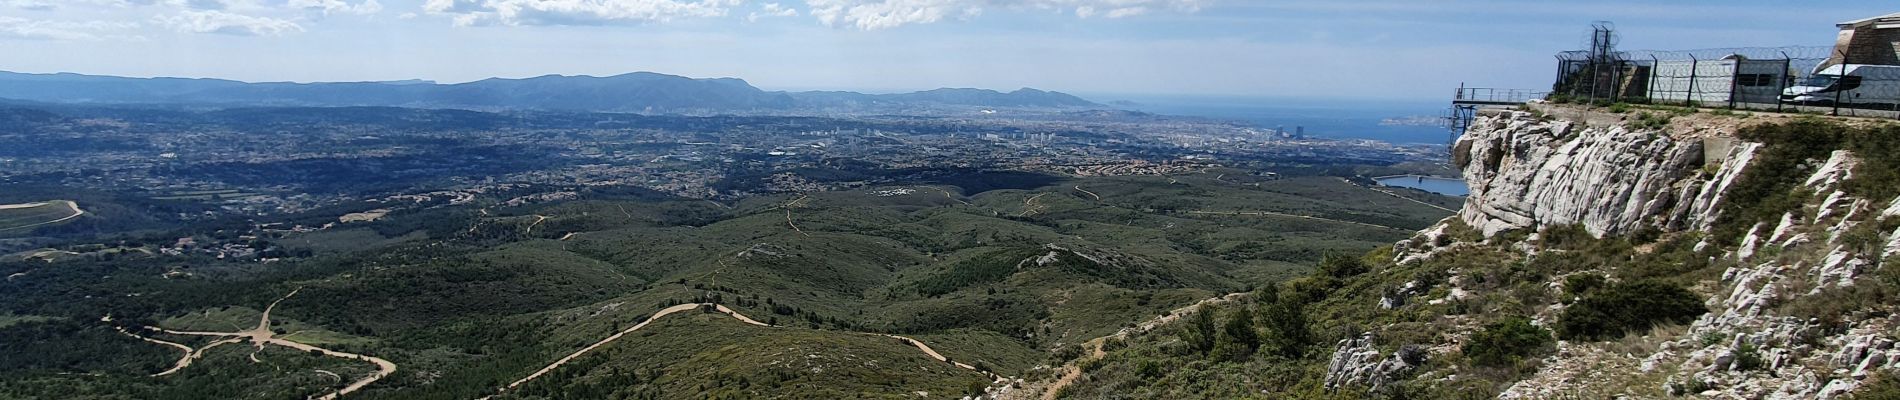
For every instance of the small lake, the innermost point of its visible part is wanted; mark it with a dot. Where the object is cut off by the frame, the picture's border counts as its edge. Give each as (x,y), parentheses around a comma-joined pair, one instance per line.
(1444,186)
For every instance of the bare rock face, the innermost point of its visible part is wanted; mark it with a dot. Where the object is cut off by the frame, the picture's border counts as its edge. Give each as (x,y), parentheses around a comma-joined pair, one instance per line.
(1356,363)
(1527,172)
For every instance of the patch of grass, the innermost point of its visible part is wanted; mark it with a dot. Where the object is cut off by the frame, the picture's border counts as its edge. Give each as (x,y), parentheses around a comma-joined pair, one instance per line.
(1883,386)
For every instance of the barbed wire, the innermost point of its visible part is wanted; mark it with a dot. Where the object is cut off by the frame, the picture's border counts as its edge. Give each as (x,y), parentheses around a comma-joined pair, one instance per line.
(1759,53)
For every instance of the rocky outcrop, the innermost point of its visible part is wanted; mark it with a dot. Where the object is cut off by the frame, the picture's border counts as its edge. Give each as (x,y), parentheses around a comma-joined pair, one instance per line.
(1357,363)
(1527,172)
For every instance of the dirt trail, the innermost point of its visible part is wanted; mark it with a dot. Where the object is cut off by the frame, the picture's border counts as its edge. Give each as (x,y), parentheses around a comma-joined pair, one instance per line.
(76,212)
(940,357)
(538,219)
(1030,206)
(21,205)
(788,222)
(932,353)
(788,206)
(183,361)
(1279,214)
(946,194)
(1389,193)
(262,335)
(1072,371)
(1091,194)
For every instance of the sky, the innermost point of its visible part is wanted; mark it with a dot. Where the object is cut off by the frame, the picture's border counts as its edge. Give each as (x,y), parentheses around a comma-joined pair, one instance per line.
(1333,49)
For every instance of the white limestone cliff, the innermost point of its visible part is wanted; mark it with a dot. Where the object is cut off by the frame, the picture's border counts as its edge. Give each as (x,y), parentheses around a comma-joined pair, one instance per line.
(1528,171)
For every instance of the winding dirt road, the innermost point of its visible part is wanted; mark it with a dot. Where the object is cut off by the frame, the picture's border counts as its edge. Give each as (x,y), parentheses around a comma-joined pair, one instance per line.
(1091,194)
(946,194)
(261,336)
(1072,371)
(1389,193)
(932,353)
(1280,214)
(538,219)
(1030,206)
(76,212)
(183,362)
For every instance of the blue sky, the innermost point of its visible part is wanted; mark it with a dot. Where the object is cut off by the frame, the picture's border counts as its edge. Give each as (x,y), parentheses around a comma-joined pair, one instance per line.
(1392,49)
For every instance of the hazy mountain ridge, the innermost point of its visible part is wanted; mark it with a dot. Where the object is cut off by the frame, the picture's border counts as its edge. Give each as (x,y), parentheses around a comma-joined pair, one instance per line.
(632,92)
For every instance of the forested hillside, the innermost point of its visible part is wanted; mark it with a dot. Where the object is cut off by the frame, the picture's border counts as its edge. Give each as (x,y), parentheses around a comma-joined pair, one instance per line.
(464,300)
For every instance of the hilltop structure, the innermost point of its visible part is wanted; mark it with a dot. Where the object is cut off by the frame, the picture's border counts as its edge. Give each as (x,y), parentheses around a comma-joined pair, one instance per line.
(1873,40)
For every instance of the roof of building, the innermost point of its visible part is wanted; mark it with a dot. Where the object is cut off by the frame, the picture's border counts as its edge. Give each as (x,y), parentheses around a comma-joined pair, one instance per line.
(1888,21)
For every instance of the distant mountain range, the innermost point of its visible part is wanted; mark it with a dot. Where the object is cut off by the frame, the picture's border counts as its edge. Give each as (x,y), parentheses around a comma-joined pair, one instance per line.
(634,92)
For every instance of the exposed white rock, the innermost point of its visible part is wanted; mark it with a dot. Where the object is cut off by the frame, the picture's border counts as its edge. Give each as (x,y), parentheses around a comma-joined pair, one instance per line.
(1526,173)
(1838,270)
(1783,230)
(1357,363)
(1893,244)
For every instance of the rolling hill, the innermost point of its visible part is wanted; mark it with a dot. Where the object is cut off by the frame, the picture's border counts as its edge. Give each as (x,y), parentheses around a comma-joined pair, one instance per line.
(644,92)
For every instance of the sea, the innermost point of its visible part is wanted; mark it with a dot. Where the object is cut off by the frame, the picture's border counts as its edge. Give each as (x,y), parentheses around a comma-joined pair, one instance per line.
(1323,118)
(1444,186)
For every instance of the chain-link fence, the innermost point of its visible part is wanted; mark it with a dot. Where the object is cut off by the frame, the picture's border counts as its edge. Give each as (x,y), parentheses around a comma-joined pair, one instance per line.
(1810,79)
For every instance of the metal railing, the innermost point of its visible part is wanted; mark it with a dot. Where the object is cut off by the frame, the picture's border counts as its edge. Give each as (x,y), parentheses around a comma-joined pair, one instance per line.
(1473,95)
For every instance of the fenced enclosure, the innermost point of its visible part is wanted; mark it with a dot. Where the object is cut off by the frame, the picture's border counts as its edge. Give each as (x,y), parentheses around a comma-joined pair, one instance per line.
(1814,79)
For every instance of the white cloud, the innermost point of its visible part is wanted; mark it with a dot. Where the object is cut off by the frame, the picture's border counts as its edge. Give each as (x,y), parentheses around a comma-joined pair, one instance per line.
(211,21)
(771,10)
(29,5)
(1126,12)
(365,7)
(880,14)
(574,12)
(22,28)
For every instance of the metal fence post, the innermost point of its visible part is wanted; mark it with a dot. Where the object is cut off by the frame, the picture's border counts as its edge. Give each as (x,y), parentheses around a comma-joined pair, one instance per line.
(1688,98)
(1837,82)
(1593,79)
(1781,79)
(1649,88)
(1734,78)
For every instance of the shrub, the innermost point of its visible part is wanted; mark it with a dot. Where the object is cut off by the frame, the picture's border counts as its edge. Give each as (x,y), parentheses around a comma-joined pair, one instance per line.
(1772,183)
(1148,368)
(1200,331)
(1748,358)
(1341,266)
(1238,339)
(1508,342)
(1582,284)
(1618,309)
(1283,323)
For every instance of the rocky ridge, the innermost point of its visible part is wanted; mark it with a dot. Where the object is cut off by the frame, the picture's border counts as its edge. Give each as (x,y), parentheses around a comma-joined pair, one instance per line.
(1562,166)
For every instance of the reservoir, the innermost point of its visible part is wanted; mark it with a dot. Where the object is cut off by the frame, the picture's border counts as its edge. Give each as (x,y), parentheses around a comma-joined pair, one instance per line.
(1444,186)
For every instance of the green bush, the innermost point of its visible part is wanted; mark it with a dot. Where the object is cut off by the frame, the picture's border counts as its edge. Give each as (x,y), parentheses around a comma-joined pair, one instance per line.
(1200,332)
(1508,342)
(1342,266)
(1238,339)
(1582,284)
(1283,323)
(1748,358)
(1618,309)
